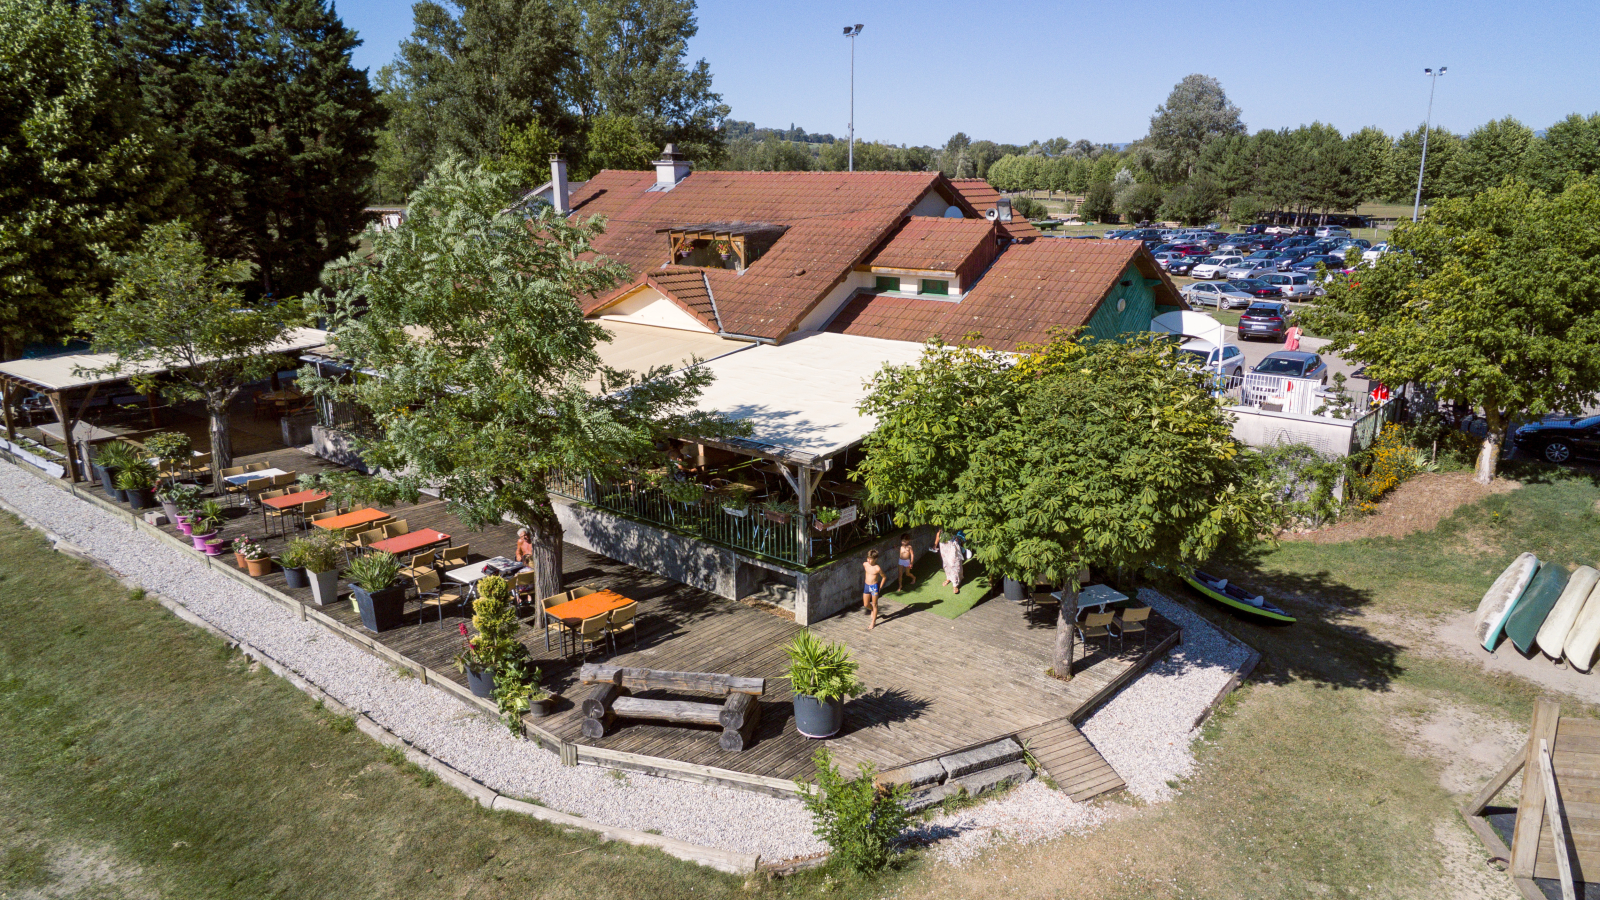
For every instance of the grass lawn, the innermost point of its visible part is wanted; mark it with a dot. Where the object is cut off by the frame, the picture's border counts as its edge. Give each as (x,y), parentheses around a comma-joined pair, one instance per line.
(141,757)
(929,593)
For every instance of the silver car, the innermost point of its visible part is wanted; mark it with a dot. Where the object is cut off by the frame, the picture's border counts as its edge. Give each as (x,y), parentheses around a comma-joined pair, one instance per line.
(1212,266)
(1222,296)
(1295,285)
(1249,268)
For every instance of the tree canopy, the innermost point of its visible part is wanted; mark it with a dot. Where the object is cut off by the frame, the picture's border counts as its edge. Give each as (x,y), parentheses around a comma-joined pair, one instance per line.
(490,383)
(1494,302)
(1197,112)
(1106,453)
(174,307)
(81,171)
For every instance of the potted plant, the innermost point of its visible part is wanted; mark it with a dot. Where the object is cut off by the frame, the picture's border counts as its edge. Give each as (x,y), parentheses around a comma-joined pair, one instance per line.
(779,511)
(495,644)
(213,547)
(135,482)
(204,523)
(322,565)
(723,249)
(255,559)
(687,493)
(517,693)
(293,562)
(377,591)
(109,461)
(736,503)
(824,518)
(822,675)
(169,447)
(176,498)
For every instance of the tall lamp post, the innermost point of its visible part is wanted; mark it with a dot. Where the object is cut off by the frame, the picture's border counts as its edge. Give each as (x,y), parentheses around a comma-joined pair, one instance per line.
(1427,126)
(850,31)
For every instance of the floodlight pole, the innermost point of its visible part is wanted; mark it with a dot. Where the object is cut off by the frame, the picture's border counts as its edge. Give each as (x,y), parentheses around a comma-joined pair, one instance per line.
(1427,126)
(851,32)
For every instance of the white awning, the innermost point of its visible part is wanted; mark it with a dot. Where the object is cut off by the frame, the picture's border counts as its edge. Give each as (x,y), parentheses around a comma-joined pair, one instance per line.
(59,373)
(800,397)
(642,347)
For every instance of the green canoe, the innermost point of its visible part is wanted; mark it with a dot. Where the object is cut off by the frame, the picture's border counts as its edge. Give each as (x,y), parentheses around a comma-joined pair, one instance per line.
(1523,625)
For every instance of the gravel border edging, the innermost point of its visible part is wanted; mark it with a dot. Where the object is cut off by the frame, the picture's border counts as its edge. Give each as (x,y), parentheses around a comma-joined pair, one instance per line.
(723,860)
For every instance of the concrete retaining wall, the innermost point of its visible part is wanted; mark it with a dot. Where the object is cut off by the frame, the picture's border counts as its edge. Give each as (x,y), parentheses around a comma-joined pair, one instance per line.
(837,587)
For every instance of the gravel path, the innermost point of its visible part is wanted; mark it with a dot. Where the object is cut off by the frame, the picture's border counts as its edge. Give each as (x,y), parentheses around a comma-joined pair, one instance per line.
(1144,732)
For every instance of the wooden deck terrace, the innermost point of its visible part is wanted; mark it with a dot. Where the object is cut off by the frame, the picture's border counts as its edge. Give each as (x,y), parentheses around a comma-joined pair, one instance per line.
(934,685)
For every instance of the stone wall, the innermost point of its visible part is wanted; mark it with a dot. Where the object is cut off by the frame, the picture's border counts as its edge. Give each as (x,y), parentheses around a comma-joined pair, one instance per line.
(837,587)
(336,446)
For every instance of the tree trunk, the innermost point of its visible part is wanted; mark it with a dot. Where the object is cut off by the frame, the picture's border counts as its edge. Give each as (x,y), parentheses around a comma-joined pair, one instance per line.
(545,530)
(1493,440)
(221,441)
(1066,631)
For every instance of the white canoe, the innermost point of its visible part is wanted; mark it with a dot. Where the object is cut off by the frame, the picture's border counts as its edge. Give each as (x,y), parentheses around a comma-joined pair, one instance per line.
(1585,633)
(1502,597)
(1553,633)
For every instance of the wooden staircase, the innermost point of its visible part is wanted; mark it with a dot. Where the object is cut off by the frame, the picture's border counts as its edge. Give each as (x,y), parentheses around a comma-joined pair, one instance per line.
(1070,760)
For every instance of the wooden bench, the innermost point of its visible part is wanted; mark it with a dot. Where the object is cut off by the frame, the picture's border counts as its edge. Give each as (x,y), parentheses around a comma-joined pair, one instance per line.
(737,715)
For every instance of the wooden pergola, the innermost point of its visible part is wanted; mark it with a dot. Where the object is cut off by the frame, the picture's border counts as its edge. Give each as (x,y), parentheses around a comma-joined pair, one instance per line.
(745,240)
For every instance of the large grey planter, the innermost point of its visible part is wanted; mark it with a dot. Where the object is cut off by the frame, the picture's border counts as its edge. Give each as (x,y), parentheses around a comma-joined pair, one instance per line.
(295,578)
(1014,591)
(324,587)
(380,611)
(818,718)
(481,683)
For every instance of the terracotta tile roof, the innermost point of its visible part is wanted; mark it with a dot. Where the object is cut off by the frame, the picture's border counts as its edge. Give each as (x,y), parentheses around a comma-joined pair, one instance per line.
(834,221)
(1031,289)
(925,242)
(984,197)
(688,287)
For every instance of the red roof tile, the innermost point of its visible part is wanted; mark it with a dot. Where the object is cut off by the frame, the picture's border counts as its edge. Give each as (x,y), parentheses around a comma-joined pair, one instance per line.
(1029,291)
(944,245)
(984,197)
(834,221)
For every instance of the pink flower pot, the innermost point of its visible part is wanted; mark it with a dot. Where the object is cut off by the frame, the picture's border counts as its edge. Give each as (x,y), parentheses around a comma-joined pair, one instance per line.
(213,548)
(200,539)
(186,528)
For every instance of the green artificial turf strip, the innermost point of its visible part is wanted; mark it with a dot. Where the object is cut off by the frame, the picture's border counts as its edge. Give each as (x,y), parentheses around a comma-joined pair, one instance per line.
(929,592)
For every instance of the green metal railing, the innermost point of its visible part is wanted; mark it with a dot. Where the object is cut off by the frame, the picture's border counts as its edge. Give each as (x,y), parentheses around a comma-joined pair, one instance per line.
(788,539)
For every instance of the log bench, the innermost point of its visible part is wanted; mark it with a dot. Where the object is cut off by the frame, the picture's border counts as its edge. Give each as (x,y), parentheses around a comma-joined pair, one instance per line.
(737,715)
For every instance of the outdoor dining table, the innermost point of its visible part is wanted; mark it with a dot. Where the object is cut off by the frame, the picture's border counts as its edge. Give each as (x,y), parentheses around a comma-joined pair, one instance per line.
(574,612)
(251,476)
(1097,595)
(351,519)
(410,541)
(290,501)
(472,574)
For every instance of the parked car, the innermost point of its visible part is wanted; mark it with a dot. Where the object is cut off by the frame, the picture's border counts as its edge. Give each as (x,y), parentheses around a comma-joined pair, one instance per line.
(1375,252)
(1222,296)
(1236,243)
(1212,266)
(1561,439)
(1255,287)
(1265,319)
(1278,258)
(1282,364)
(1310,263)
(1332,231)
(1115,233)
(1291,243)
(1343,247)
(1175,263)
(1228,362)
(1249,268)
(1294,285)
(1255,229)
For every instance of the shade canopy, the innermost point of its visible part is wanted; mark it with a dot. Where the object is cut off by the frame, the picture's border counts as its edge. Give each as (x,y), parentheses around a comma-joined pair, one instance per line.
(62,372)
(800,397)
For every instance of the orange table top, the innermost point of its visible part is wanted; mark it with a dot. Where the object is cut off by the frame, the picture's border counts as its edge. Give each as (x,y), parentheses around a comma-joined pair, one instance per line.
(295,499)
(595,604)
(410,541)
(352,519)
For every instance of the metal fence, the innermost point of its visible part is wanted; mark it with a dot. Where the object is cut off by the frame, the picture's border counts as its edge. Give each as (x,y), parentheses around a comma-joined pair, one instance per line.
(1300,396)
(792,538)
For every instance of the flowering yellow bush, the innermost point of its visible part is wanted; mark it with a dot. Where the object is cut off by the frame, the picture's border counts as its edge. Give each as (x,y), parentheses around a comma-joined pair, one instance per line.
(1382,468)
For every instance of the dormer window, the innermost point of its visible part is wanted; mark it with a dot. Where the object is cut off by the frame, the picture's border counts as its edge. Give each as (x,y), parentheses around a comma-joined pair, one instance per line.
(720,245)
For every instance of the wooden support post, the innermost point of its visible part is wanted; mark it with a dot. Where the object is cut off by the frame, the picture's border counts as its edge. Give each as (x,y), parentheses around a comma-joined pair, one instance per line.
(1558,831)
(5,400)
(83,406)
(1530,808)
(65,417)
(1507,772)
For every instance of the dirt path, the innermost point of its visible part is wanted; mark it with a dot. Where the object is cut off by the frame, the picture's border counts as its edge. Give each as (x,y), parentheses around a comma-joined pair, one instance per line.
(1418,505)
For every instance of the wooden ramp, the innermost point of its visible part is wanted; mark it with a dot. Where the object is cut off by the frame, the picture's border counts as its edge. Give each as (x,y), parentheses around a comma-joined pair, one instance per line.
(1071,761)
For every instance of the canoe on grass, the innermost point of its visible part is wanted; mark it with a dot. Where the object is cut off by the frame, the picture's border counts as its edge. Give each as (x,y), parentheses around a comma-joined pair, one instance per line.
(1553,633)
(1585,633)
(1522,626)
(1502,596)
(1232,595)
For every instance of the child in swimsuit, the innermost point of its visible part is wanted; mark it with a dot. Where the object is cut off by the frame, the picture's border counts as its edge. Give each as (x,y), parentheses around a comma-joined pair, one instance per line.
(907,557)
(875,579)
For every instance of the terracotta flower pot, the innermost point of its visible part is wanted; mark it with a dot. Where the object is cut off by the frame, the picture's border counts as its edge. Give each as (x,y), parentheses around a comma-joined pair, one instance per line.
(239,558)
(258,567)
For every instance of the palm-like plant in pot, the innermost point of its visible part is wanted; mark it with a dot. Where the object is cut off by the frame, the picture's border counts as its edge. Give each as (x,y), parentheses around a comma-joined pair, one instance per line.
(822,676)
(109,461)
(322,555)
(135,482)
(377,591)
(205,520)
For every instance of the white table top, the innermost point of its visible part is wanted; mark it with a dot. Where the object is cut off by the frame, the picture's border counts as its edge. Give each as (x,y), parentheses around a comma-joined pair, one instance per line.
(251,476)
(475,572)
(1095,595)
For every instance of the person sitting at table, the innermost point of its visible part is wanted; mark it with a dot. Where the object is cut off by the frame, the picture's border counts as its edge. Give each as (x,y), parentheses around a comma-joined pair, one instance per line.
(682,468)
(525,547)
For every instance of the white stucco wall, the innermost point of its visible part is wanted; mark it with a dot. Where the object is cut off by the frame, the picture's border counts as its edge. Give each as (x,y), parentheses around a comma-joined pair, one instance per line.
(648,306)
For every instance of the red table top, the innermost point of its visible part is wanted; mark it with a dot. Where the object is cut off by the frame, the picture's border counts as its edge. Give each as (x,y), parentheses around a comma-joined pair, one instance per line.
(295,499)
(413,540)
(588,607)
(352,519)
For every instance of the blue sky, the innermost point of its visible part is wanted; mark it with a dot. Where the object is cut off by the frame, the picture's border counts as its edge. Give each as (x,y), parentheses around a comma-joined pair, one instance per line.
(1017,71)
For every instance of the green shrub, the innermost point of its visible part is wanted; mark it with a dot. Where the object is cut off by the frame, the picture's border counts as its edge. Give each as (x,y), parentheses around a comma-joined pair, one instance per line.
(322,551)
(821,670)
(140,476)
(117,455)
(1301,480)
(375,571)
(858,820)
(1028,208)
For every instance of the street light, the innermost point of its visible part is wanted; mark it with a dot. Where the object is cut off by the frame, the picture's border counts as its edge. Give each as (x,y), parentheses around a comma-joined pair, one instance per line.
(1427,126)
(851,32)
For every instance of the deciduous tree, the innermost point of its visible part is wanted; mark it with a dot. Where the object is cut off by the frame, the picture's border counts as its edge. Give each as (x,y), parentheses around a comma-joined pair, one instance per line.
(1197,112)
(1494,303)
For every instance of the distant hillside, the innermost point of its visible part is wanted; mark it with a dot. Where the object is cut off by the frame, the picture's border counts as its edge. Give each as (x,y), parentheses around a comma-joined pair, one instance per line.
(734,129)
